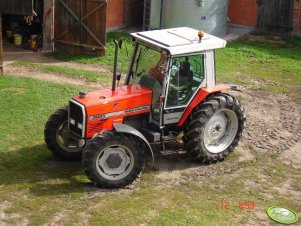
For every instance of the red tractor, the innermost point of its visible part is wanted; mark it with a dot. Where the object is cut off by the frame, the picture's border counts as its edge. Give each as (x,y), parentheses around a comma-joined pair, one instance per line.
(170,88)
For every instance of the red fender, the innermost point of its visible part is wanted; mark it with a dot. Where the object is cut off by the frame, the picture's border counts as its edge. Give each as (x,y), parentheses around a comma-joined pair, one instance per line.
(198,98)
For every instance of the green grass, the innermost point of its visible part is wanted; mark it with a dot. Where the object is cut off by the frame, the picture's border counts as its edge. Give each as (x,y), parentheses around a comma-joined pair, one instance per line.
(90,76)
(263,58)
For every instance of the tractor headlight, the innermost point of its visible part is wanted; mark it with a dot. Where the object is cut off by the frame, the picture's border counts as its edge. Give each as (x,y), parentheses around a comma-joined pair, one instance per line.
(72,121)
(80,126)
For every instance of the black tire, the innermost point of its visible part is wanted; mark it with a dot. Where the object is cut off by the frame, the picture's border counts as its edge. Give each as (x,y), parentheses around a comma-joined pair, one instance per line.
(194,127)
(56,121)
(110,139)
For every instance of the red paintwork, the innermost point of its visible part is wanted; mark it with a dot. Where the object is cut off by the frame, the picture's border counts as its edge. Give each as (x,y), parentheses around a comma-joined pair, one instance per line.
(199,97)
(123,98)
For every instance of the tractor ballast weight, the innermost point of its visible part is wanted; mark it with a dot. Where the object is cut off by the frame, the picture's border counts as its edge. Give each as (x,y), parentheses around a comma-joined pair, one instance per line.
(170,89)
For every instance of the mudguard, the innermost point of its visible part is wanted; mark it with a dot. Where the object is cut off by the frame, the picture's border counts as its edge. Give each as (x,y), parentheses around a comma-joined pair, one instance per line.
(199,97)
(123,128)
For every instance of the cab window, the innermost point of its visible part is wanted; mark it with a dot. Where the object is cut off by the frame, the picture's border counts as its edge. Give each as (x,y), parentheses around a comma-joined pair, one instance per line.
(186,75)
(147,62)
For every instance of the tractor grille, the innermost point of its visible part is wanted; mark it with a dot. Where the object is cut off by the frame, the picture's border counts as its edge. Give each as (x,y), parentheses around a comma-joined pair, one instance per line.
(77,118)
(95,128)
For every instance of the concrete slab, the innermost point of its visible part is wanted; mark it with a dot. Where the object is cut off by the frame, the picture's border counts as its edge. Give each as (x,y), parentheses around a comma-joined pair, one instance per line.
(237,31)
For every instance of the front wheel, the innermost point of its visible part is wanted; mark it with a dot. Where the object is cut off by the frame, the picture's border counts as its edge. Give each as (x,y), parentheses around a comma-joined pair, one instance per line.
(214,128)
(113,160)
(59,140)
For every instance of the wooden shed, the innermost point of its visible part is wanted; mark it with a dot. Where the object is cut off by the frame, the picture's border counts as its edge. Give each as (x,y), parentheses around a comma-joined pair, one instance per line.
(276,17)
(13,7)
(80,26)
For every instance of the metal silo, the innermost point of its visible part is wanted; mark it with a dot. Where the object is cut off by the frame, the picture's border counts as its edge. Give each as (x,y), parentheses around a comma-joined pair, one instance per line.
(207,15)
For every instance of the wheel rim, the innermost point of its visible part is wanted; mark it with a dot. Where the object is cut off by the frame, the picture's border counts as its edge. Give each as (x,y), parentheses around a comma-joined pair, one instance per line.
(66,142)
(115,162)
(220,131)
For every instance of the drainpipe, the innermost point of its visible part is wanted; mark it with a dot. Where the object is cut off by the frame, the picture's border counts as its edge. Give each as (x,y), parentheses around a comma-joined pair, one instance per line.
(161,14)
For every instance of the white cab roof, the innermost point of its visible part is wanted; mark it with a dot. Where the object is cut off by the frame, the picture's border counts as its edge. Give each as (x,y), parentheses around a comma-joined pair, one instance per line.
(182,40)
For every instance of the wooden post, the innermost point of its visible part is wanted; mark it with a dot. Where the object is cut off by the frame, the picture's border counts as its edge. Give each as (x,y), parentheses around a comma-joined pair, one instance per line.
(1,49)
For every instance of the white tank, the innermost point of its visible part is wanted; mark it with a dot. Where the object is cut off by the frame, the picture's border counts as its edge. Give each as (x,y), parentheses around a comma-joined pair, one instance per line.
(207,15)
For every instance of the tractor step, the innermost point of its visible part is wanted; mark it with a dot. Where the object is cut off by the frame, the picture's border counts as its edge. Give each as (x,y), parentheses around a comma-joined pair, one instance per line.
(170,137)
(168,152)
(151,135)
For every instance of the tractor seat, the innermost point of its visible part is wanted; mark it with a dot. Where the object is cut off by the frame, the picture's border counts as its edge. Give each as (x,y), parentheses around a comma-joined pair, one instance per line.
(154,85)
(185,77)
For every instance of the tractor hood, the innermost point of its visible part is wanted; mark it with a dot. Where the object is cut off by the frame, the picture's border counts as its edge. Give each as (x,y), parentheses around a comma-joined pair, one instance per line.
(122,98)
(102,108)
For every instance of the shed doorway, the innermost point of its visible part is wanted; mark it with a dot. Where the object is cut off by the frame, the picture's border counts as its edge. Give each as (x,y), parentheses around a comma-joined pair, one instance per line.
(23,32)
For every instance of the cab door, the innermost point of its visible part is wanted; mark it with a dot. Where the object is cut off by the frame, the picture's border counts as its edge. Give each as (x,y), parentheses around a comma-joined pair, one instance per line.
(186,76)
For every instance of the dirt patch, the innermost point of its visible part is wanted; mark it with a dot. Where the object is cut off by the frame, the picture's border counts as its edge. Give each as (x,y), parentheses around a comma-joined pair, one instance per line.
(17,218)
(32,73)
(273,128)
(39,58)
(13,90)
(273,121)
(3,206)
(245,154)
(89,67)
(272,40)
(292,157)
(57,218)
(287,190)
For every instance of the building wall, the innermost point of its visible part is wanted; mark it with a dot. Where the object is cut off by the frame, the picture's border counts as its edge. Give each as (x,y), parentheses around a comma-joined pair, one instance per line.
(115,13)
(297,16)
(122,13)
(243,12)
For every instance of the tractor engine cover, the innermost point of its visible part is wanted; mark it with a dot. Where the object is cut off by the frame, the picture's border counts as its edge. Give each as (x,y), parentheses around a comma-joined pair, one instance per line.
(98,110)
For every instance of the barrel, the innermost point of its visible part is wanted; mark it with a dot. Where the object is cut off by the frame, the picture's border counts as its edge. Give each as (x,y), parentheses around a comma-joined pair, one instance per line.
(18,39)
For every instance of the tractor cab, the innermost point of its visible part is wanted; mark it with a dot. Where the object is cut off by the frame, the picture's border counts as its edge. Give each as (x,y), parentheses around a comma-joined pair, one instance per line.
(170,89)
(175,64)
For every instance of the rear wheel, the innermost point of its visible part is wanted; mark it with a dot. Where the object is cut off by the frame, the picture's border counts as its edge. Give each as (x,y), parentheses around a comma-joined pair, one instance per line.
(214,128)
(113,160)
(59,140)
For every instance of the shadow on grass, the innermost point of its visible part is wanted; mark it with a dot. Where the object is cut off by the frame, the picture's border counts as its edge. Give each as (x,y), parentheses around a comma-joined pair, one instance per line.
(34,168)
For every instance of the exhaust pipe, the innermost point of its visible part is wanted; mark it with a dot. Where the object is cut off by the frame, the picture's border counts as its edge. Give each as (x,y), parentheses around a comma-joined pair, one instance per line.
(115,65)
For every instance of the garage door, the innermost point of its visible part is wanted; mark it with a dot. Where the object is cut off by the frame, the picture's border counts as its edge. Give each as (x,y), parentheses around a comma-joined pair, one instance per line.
(80,26)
